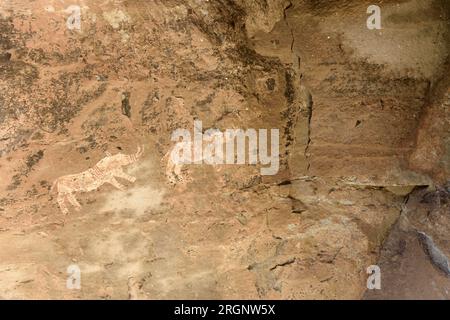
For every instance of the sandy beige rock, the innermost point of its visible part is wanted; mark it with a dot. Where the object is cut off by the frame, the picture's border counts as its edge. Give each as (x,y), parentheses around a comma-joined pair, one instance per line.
(358,116)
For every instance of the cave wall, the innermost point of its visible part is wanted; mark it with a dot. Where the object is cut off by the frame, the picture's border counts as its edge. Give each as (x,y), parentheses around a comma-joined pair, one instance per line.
(363,116)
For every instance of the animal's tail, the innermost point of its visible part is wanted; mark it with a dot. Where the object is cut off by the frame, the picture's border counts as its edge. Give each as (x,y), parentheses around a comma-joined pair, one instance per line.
(140,151)
(54,185)
(166,157)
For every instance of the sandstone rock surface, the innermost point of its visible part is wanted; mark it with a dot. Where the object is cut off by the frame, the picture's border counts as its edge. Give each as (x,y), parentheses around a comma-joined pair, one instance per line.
(365,133)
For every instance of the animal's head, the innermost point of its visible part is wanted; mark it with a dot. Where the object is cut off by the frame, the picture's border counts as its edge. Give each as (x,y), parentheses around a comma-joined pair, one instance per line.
(120,159)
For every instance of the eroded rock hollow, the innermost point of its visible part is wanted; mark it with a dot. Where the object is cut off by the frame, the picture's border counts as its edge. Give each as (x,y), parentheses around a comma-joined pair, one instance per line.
(91,93)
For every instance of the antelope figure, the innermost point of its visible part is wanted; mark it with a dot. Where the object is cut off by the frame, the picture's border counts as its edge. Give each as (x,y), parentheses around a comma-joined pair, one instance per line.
(105,171)
(174,170)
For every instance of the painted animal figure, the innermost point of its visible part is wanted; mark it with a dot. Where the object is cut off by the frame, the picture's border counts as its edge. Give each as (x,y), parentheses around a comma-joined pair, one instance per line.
(174,170)
(105,171)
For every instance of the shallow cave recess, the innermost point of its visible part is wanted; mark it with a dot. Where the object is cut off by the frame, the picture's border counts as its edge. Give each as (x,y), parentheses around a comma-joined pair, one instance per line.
(364,168)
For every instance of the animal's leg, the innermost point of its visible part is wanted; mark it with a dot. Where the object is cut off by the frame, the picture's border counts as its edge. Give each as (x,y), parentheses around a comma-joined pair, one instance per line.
(116,184)
(60,199)
(177,172)
(170,172)
(123,175)
(74,201)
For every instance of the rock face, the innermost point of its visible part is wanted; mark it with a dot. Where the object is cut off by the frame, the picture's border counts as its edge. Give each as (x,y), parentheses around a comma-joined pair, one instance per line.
(415,254)
(364,128)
